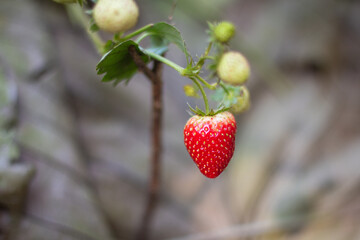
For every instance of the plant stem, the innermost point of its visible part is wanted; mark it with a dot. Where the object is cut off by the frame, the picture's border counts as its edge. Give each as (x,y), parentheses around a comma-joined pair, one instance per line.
(223,87)
(139,39)
(209,86)
(166,61)
(206,102)
(154,76)
(78,16)
(137,32)
(202,59)
(154,186)
(207,51)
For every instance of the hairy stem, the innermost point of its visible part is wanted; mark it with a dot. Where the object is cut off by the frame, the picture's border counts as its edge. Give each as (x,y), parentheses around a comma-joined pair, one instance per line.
(206,84)
(223,87)
(166,61)
(142,37)
(78,16)
(206,102)
(208,49)
(137,32)
(155,156)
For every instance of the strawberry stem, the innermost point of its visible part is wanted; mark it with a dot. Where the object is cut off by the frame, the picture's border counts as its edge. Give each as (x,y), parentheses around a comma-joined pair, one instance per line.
(206,102)
(139,39)
(203,81)
(154,75)
(166,61)
(137,32)
(208,49)
(202,59)
(78,15)
(224,87)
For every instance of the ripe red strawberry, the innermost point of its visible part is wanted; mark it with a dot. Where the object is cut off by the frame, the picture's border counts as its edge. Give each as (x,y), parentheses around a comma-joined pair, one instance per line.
(210,141)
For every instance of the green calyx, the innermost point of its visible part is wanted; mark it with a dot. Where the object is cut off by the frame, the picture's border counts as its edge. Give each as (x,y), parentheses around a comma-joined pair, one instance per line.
(211,112)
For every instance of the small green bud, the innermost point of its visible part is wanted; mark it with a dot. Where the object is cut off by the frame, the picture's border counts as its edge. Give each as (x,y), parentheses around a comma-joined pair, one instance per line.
(116,15)
(190,91)
(243,102)
(233,68)
(224,31)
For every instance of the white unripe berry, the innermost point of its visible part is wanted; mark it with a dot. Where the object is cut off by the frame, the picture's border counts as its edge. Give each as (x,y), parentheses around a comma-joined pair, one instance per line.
(116,15)
(233,68)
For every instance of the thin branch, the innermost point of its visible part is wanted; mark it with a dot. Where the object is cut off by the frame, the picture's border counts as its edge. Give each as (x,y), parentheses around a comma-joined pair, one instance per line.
(154,76)
(78,16)
(157,69)
(137,32)
(141,65)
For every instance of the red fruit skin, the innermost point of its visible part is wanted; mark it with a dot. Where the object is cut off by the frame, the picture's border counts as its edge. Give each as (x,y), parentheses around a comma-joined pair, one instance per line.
(210,141)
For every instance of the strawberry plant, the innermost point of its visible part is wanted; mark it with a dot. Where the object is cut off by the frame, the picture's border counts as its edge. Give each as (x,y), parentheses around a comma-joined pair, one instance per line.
(209,135)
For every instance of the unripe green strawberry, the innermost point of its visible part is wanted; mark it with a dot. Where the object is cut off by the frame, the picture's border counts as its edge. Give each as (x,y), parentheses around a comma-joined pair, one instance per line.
(210,141)
(116,15)
(224,31)
(233,68)
(243,102)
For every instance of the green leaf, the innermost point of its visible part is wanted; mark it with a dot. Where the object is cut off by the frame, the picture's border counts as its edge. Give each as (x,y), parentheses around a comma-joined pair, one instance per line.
(158,45)
(117,64)
(168,34)
(80,2)
(227,97)
(109,45)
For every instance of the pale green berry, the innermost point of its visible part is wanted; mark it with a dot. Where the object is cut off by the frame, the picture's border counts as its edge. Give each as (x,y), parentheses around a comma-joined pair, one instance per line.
(233,68)
(243,102)
(224,31)
(116,15)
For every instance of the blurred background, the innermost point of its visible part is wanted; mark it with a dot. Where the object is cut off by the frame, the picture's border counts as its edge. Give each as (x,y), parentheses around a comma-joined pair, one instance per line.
(74,152)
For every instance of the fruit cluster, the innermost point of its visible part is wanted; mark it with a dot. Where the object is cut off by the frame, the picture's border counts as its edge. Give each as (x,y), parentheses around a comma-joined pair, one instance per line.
(209,136)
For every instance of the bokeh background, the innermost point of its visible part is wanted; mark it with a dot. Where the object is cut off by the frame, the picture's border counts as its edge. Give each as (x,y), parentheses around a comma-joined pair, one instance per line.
(74,152)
